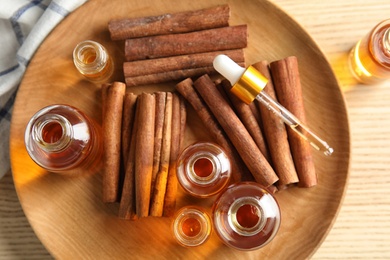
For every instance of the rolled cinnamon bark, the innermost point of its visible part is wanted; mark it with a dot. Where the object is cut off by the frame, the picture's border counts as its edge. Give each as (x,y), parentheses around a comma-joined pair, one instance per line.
(167,76)
(181,22)
(127,208)
(144,147)
(171,190)
(245,113)
(288,88)
(225,38)
(112,124)
(152,71)
(239,136)
(177,63)
(160,185)
(187,90)
(183,121)
(129,107)
(276,135)
(158,132)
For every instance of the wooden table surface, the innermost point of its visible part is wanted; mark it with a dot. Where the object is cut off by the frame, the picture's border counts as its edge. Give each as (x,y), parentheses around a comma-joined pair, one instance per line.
(362,229)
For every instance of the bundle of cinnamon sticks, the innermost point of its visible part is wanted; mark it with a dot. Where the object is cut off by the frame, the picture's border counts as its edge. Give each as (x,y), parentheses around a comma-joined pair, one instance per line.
(175,46)
(255,138)
(142,137)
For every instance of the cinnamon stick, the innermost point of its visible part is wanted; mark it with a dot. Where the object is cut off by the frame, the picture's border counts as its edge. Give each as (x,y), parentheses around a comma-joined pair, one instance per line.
(276,135)
(160,185)
(158,132)
(288,88)
(171,190)
(245,113)
(129,105)
(187,90)
(239,136)
(127,208)
(225,38)
(177,63)
(183,121)
(180,22)
(112,123)
(153,71)
(144,147)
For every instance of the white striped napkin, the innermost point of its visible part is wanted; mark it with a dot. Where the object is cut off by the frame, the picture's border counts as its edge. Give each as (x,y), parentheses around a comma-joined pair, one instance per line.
(24,25)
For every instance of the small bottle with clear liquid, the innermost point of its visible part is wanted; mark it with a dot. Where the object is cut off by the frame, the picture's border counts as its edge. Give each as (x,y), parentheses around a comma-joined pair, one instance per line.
(246,216)
(370,59)
(62,139)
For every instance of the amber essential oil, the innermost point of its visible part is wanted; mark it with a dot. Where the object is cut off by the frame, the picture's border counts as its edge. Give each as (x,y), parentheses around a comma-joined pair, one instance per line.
(370,58)
(62,139)
(93,61)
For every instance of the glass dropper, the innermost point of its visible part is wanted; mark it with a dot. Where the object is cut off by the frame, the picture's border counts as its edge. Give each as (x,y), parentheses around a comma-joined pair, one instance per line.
(247,84)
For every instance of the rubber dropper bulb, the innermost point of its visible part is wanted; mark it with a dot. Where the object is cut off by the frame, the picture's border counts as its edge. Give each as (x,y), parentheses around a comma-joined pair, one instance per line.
(228,68)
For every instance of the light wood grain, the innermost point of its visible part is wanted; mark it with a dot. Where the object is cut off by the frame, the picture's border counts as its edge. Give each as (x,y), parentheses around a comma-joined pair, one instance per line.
(362,228)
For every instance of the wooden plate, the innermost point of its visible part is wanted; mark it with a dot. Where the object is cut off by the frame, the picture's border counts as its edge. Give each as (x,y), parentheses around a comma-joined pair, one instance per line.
(68,215)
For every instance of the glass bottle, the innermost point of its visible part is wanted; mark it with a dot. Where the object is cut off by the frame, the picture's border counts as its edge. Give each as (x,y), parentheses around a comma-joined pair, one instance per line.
(62,139)
(191,226)
(246,216)
(203,169)
(92,60)
(370,59)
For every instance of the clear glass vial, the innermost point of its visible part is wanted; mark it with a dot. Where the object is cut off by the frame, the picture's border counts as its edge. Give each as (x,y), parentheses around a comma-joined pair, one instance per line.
(93,61)
(191,226)
(203,169)
(370,59)
(246,216)
(62,139)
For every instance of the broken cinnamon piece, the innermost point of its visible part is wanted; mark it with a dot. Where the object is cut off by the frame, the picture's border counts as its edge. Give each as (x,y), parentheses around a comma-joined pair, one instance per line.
(276,135)
(160,185)
(245,113)
(171,191)
(187,90)
(112,124)
(288,88)
(235,130)
(225,38)
(180,22)
(129,105)
(144,158)
(127,203)
(158,132)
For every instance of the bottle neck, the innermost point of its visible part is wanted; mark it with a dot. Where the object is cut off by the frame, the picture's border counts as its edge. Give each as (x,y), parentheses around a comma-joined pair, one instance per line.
(386,41)
(90,57)
(204,168)
(246,216)
(52,132)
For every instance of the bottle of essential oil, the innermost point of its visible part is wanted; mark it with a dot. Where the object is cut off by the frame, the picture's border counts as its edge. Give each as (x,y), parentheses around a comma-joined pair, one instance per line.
(62,139)
(93,61)
(246,216)
(191,226)
(370,58)
(203,169)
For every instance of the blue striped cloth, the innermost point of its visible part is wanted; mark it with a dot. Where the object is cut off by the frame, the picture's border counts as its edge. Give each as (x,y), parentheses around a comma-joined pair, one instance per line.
(24,24)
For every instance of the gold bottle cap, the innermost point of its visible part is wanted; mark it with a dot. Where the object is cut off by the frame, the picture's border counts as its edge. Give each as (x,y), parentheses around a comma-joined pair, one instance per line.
(251,83)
